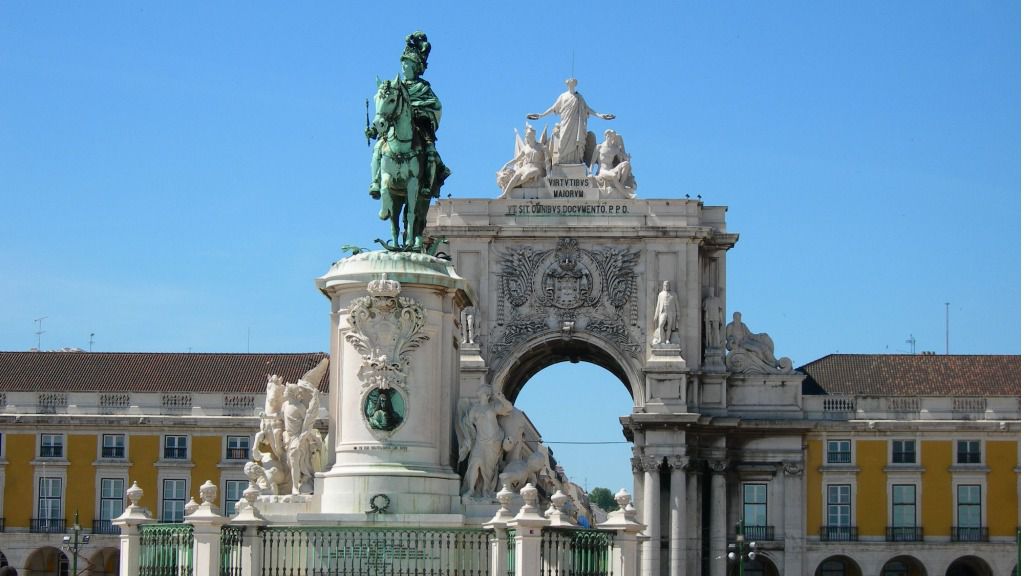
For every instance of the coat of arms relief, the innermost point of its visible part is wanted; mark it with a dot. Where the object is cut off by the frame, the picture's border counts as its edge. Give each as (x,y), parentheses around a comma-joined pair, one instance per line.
(565,289)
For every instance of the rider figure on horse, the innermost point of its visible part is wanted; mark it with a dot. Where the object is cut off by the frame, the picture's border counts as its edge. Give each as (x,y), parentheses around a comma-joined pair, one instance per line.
(426,119)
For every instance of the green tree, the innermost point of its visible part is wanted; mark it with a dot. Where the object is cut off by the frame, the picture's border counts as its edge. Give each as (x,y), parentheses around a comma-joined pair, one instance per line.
(603,499)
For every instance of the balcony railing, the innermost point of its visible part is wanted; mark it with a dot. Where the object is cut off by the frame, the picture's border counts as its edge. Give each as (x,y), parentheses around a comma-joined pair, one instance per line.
(758,533)
(3,524)
(113,452)
(47,525)
(903,534)
(175,453)
(968,534)
(904,457)
(968,457)
(838,457)
(238,453)
(838,533)
(51,451)
(104,527)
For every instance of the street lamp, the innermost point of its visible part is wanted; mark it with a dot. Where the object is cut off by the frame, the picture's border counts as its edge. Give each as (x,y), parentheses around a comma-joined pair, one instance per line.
(741,548)
(74,544)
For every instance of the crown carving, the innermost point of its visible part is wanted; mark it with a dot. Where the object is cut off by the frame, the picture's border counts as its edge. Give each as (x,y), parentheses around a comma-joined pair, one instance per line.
(383,287)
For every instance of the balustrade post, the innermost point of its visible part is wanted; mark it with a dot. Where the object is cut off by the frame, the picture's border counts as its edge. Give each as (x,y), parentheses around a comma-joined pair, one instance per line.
(624,560)
(206,524)
(128,522)
(528,524)
(499,545)
(250,518)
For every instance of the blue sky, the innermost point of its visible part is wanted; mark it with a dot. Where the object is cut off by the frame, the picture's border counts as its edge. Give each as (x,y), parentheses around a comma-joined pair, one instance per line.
(174,175)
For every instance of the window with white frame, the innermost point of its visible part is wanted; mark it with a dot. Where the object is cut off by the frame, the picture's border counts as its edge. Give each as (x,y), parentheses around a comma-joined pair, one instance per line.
(904,451)
(172,500)
(838,512)
(232,494)
(968,451)
(238,448)
(838,452)
(51,445)
(113,446)
(904,505)
(176,447)
(968,506)
(112,498)
(755,504)
(50,497)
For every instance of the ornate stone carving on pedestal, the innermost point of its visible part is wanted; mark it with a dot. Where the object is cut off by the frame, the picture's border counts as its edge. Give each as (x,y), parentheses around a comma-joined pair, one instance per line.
(594,291)
(386,327)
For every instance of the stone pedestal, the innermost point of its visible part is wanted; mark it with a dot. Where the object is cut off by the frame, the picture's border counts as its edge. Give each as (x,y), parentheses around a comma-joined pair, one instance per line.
(394,376)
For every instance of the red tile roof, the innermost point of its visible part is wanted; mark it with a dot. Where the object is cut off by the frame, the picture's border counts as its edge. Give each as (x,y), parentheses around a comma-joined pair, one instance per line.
(149,372)
(913,375)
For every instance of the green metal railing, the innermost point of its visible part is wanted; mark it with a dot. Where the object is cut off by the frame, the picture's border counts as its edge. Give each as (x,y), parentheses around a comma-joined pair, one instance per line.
(575,552)
(166,550)
(511,562)
(365,551)
(231,550)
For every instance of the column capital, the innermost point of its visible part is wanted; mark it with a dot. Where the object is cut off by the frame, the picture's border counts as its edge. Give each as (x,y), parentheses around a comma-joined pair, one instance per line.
(793,468)
(637,464)
(679,462)
(651,463)
(718,465)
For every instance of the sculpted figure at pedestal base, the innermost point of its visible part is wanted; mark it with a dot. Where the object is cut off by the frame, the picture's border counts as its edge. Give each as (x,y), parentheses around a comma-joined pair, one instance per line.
(288,449)
(614,170)
(751,353)
(480,440)
(665,316)
(529,163)
(573,137)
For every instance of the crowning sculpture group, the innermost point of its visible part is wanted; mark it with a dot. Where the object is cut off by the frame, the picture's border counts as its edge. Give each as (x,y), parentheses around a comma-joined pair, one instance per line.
(406,172)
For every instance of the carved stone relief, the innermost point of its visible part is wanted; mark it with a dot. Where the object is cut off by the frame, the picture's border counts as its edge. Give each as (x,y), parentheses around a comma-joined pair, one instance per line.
(386,327)
(591,291)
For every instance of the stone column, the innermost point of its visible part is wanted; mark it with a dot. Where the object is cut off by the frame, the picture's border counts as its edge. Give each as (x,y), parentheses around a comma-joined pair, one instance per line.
(718,517)
(637,464)
(627,531)
(129,522)
(677,516)
(793,488)
(250,519)
(206,525)
(528,524)
(651,559)
(693,521)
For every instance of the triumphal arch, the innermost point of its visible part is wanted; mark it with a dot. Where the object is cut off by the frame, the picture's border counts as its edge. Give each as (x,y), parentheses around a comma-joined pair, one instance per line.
(569,262)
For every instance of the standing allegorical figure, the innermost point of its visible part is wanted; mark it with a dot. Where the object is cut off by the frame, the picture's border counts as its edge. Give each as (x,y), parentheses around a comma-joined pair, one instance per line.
(480,440)
(665,316)
(573,112)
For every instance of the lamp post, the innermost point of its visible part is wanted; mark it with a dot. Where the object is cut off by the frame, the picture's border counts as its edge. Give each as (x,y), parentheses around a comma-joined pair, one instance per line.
(741,548)
(74,544)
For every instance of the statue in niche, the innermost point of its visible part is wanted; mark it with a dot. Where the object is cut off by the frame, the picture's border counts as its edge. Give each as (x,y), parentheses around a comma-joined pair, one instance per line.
(530,162)
(480,439)
(469,325)
(614,171)
(751,353)
(288,449)
(384,409)
(666,314)
(714,313)
(575,144)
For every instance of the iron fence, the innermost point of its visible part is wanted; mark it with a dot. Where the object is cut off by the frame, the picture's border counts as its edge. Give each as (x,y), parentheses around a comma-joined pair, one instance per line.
(969,534)
(574,552)
(231,550)
(165,549)
(365,551)
(511,561)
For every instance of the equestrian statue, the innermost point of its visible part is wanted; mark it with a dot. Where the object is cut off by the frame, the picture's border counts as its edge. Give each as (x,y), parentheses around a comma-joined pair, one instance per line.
(406,170)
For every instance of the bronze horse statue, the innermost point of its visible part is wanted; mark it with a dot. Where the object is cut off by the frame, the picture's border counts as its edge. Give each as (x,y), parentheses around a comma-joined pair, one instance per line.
(402,166)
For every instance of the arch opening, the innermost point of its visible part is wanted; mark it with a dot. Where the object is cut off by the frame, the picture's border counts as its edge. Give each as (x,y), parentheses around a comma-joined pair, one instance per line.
(47,561)
(105,562)
(838,566)
(903,566)
(761,565)
(546,351)
(969,566)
